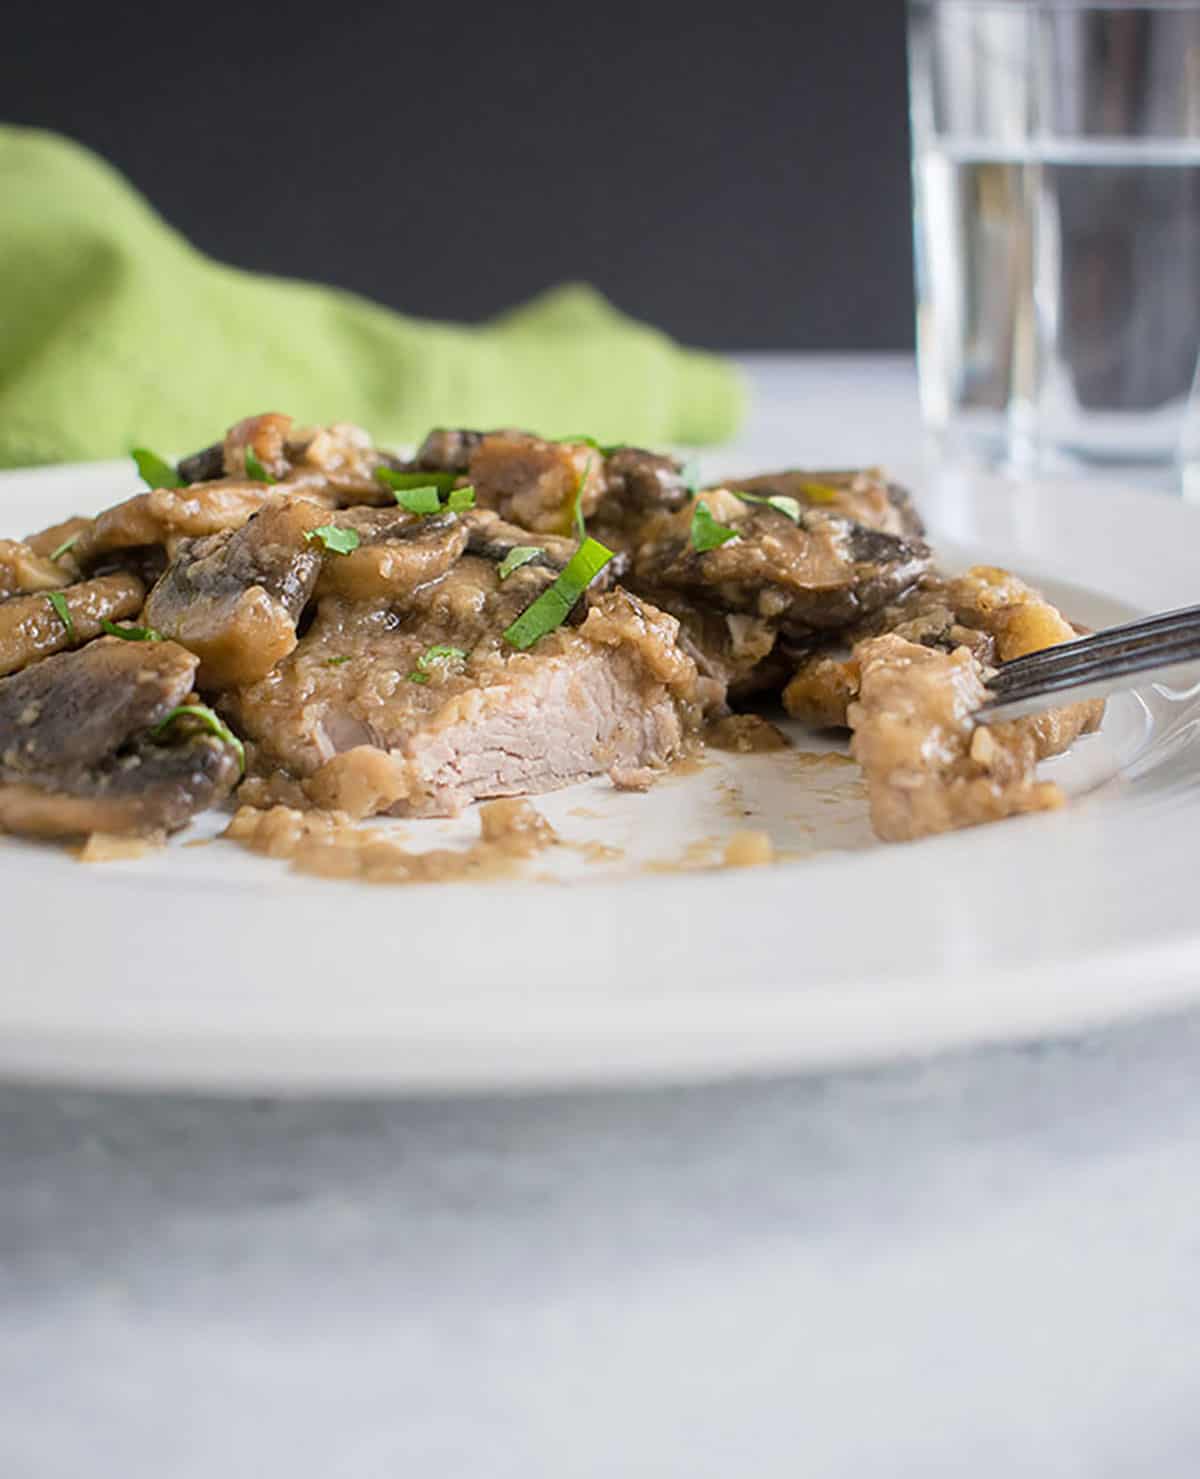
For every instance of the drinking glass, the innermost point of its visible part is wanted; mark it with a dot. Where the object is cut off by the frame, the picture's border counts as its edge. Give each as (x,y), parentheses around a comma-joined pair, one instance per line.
(1056,170)
(1189,444)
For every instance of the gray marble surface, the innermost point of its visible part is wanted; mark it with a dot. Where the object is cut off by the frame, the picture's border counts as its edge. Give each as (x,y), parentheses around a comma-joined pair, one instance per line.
(987,1264)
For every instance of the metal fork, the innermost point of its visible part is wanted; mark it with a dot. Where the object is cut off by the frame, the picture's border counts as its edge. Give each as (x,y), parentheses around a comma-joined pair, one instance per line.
(1095,666)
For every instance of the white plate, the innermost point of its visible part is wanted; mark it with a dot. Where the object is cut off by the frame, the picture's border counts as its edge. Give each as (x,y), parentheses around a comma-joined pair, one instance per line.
(204,967)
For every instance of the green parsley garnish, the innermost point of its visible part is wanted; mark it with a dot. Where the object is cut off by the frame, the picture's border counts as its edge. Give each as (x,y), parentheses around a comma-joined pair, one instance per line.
(62,611)
(255,470)
(419,500)
(65,546)
(778,501)
(398,482)
(340,541)
(156,473)
(336,662)
(132,633)
(706,532)
(553,606)
(519,555)
(432,655)
(422,492)
(212,722)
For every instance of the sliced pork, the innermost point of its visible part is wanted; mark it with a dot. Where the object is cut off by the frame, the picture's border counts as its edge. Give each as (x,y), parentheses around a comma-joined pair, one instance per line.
(422,707)
(928,764)
(992,613)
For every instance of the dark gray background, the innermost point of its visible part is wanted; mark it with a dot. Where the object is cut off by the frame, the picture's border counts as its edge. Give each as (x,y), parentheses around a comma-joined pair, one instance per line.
(742,180)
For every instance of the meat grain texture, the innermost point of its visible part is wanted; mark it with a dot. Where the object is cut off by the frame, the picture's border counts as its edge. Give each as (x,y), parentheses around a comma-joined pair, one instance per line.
(357,637)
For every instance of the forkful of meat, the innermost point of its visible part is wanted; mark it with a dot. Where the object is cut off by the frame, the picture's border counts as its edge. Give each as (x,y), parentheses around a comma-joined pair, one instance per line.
(1095,666)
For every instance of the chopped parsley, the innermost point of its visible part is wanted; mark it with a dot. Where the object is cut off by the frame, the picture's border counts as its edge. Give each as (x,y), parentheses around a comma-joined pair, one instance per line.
(553,606)
(519,555)
(132,633)
(156,473)
(419,500)
(67,544)
(336,662)
(439,655)
(255,470)
(422,492)
(706,532)
(398,482)
(212,722)
(59,602)
(339,541)
(778,501)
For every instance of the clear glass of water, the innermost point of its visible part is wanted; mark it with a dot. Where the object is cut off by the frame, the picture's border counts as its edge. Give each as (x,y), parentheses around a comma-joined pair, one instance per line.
(1056,169)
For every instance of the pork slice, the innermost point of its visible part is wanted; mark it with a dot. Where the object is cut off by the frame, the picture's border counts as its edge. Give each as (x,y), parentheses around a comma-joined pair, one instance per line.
(377,710)
(820,574)
(990,612)
(825,674)
(234,598)
(929,764)
(76,755)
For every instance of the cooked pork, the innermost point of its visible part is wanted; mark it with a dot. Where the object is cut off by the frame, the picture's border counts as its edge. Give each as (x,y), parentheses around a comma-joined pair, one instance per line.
(420,706)
(380,660)
(76,750)
(992,613)
(929,766)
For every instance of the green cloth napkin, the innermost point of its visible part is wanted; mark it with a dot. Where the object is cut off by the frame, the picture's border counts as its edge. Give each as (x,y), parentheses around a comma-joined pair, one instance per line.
(115,332)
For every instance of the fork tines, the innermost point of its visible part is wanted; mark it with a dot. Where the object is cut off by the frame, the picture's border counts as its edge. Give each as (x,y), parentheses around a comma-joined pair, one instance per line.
(1098,663)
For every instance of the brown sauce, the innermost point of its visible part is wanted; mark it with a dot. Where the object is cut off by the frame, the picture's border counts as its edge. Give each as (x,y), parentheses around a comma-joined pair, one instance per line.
(329,845)
(746,734)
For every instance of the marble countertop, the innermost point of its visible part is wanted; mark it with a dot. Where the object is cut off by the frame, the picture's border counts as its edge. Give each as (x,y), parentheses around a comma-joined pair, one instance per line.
(984,1264)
